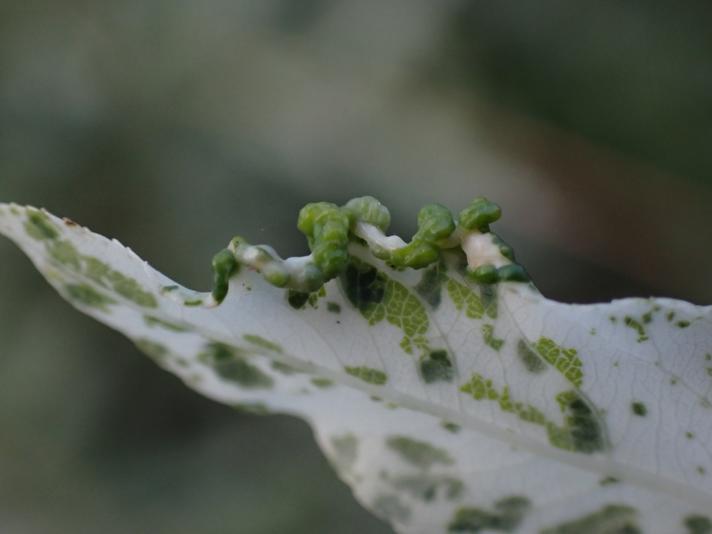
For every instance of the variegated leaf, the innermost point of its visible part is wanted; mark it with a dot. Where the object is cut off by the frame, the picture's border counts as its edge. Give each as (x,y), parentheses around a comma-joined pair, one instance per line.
(447,406)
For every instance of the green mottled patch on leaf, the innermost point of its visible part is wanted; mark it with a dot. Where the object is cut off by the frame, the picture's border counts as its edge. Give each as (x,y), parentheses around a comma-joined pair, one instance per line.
(229,364)
(130,289)
(505,516)
(611,519)
(345,451)
(465,300)
(379,297)
(451,427)
(152,321)
(64,252)
(418,453)
(368,374)
(127,287)
(262,342)
(565,360)
(698,524)
(97,270)
(488,297)
(365,288)
(436,366)
(38,226)
(430,285)
(488,336)
(283,368)
(636,325)
(390,507)
(154,350)
(607,481)
(580,431)
(639,408)
(682,324)
(404,310)
(333,307)
(88,296)
(322,383)
(428,488)
(252,408)
(531,360)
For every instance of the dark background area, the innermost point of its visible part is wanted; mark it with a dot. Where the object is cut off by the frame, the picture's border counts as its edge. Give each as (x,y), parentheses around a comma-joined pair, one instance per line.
(173,125)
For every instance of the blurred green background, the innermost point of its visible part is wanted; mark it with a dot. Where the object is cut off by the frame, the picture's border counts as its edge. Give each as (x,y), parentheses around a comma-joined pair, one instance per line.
(173,125)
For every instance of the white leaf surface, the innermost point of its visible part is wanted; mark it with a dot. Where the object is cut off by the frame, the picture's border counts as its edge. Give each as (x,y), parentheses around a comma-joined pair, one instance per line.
(445,405)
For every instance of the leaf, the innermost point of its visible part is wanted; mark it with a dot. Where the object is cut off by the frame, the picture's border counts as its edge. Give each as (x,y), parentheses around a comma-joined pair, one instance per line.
(447,405)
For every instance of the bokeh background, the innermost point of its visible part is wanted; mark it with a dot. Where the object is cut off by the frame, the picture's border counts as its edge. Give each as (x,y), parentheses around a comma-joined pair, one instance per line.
(173,125)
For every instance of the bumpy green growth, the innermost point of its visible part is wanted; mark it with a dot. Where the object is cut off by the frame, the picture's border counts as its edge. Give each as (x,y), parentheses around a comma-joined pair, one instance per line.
(434,224)
(512,273)
(329,230)
(489,274)
(484,274)
(224,266)
(418,453)
(297,299)
(229,364)
(370,211)
(368,374)
(504,248)
(613,518)
(479,215)
(506,516)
